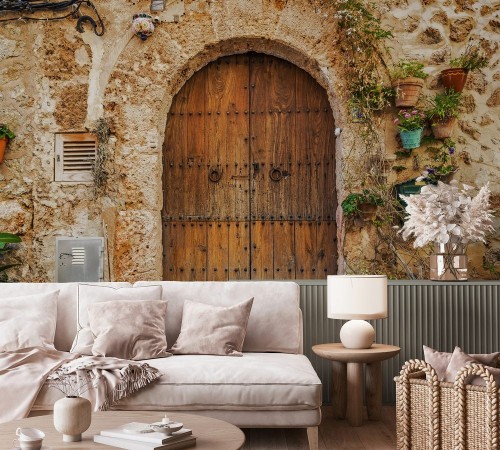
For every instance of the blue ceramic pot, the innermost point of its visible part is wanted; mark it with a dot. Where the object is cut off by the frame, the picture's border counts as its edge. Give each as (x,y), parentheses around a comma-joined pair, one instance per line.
(411,139)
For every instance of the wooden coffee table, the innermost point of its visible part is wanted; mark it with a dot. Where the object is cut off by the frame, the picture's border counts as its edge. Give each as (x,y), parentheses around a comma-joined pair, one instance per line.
(212,434)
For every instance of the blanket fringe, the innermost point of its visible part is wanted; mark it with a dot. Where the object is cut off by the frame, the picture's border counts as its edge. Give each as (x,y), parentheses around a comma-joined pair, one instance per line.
(133,378)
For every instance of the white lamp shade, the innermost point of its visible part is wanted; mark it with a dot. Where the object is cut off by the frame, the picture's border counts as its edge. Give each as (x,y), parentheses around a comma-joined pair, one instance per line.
(357,296)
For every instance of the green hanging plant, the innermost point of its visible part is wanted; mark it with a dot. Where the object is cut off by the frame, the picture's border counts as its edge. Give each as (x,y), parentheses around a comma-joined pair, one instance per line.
(6,239)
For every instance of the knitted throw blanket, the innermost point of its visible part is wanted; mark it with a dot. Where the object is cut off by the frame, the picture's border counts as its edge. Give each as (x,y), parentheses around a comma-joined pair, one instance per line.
(104,380)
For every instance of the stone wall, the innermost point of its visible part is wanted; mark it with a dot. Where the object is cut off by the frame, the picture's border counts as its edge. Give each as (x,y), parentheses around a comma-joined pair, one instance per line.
(55,79)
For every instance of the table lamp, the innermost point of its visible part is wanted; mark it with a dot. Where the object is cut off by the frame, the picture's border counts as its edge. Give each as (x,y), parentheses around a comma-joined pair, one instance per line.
(357,297)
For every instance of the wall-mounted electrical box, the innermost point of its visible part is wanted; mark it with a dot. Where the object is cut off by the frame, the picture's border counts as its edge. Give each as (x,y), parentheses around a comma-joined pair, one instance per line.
(79,259)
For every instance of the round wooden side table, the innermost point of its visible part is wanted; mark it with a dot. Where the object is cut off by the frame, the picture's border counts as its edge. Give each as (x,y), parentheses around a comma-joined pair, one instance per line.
(347,366)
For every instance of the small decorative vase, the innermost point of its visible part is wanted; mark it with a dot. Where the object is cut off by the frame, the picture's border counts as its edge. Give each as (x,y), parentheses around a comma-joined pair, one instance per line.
(448,262)
(142,25)
(3,146)
(411,139)
(454,78)
(408,91)
(443,130)
(72,416)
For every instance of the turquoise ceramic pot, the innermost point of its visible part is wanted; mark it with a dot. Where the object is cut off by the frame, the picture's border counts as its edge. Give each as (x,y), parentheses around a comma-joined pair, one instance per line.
(411,139)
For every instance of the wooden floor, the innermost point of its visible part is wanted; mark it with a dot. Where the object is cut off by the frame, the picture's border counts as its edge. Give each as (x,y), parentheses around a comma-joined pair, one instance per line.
(333,435)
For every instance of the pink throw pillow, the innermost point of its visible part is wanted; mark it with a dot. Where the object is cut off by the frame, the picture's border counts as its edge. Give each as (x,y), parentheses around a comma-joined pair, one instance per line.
(459,359)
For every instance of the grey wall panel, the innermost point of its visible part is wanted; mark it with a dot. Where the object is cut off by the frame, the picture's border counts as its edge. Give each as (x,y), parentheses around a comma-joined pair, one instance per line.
(440,315)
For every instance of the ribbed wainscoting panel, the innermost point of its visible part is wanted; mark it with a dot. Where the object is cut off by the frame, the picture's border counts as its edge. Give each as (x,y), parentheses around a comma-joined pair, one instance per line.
(439,315)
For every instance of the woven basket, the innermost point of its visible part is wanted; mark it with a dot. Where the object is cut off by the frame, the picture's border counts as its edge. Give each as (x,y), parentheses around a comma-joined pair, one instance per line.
(437,415)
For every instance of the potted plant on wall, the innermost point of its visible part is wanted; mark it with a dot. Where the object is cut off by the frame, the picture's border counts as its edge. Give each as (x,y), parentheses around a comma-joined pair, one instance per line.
(443,113)
(5,135)
(410,124)
(408,81)
(470,60)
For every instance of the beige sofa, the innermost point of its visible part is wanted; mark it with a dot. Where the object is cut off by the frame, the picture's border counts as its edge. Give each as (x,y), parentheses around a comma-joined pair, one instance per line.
(272,385)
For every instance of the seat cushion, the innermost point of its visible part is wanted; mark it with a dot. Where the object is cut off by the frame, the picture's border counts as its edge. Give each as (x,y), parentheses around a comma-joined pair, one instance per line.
(256,381)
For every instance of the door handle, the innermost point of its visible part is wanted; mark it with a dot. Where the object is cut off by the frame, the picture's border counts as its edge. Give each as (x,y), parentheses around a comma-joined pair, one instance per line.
(214,174)
(277,174)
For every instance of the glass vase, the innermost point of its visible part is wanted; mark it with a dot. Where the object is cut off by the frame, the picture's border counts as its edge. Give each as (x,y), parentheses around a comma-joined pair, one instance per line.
(448,262)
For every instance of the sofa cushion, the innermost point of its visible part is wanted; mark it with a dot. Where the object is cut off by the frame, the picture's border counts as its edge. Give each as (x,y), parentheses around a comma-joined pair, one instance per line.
(212,330)
(92,293)
(275,320)
(28,321)
(66,305)
(256,381)
(129,329)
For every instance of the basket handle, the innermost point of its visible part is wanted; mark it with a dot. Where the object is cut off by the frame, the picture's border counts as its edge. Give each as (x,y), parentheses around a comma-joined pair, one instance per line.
(404,438)
(460,405)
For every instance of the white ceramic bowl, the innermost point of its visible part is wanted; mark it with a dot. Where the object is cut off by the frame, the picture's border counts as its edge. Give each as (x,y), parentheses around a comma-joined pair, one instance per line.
(166,428)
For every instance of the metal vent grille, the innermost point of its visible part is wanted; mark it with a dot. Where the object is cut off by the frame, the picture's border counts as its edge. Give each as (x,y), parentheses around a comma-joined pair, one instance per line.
(79,259)
(78,256)
(75,156)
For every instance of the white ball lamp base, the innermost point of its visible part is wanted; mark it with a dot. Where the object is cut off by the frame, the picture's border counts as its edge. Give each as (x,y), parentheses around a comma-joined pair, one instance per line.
(357,334)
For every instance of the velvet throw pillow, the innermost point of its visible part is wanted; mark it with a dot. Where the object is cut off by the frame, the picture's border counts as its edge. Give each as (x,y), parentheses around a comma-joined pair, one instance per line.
(459,359)
(89,294)
(212,330)
(28,321)
(129,329)
(440,360)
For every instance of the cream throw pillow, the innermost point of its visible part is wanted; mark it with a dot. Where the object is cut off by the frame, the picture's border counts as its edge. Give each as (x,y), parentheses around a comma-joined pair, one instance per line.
(28,321)
(212,330)
(89,294)
(129,329)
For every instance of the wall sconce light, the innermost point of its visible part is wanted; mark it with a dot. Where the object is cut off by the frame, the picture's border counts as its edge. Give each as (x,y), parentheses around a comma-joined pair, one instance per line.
(142,25)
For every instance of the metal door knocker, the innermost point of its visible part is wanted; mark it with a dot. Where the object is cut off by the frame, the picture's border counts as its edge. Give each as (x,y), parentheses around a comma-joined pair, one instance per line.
(277,174)
(215,174)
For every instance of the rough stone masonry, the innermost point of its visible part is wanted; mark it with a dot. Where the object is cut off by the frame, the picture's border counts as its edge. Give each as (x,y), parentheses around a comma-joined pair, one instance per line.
(54,79)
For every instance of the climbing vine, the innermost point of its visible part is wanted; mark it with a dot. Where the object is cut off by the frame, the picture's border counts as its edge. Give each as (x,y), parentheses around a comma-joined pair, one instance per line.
(100,173)
(364,43)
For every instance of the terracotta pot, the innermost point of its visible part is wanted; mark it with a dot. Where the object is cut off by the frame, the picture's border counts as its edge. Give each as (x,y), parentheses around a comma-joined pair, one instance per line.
(408,91)
(443,130)
(454,78)
(3,145)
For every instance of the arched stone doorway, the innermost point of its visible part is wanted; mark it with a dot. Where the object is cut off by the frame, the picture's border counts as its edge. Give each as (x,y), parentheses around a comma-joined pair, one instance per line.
(249,174)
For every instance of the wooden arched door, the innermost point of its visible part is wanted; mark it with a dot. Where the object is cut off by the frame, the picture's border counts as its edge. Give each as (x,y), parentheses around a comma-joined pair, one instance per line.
(249,174)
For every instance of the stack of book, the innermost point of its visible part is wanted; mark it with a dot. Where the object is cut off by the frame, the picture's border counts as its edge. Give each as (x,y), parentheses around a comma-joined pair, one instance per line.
(127,437)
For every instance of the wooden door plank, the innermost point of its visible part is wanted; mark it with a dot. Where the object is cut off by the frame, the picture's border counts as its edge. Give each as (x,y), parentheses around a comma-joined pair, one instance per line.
(272,104)
(174,150)
(237,136)
(284,250)
(175,250)
(306,249)
(326,248)
(196,250)
(262,252)
(216,123)
(195,188)
(218,251)
(227,136)
(239,251)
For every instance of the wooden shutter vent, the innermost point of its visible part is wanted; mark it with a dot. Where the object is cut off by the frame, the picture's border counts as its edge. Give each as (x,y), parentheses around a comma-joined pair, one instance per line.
(75,156)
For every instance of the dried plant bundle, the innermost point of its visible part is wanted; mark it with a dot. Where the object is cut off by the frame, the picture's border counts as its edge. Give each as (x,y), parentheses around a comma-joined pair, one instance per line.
(445,213)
